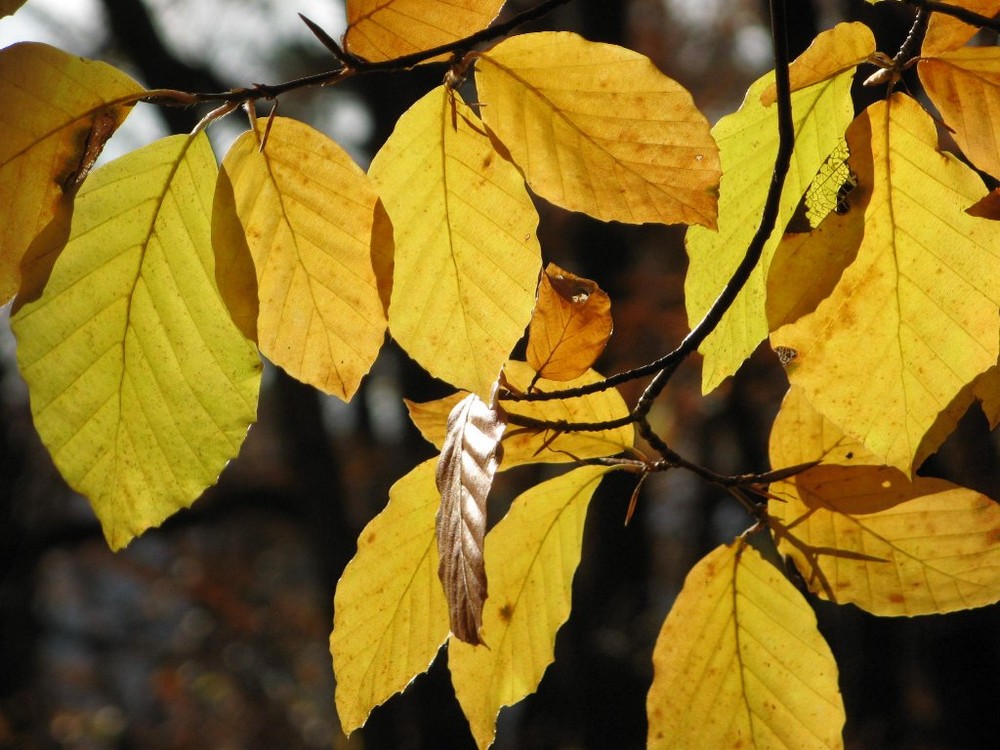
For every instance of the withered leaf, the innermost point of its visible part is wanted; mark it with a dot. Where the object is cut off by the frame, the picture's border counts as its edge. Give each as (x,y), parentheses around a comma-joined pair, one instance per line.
(469,459)
(570,326)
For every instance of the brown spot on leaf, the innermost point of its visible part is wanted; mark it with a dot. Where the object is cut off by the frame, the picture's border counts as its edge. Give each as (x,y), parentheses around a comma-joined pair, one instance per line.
(506,612)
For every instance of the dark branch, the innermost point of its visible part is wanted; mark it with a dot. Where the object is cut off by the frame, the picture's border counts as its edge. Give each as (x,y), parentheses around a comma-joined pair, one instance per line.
(966,16)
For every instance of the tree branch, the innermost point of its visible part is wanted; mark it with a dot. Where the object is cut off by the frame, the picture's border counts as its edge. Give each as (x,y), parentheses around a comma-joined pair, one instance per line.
(966,16)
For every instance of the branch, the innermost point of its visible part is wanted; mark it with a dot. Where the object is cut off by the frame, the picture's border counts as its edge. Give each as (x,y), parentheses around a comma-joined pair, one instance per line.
(352,65)
(966,16)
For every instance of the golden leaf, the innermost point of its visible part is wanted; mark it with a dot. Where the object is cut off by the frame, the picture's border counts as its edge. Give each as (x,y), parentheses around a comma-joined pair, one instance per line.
(570,326)
(737,639)
(58,111)
(748,140)
(469,459)
(868,534)
(390,616)
(466,256)
(320,317)
(597,128)
(531,556)
(914,318)
(387,29)
(965,87)
(945,33)
(141,386)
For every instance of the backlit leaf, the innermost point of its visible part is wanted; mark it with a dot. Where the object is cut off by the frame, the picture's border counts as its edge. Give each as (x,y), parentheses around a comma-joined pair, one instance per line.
(466,256)
(841,48)
(307,213)
(748,140)
(945,33)
(522,445)
(390,616)
(597,128)
(965,87)
(141,386)
(868,534)
(914,318)
(531,557)
(7,7)
(469,459)
(58,111)
(570,326)
(386,29)
(740,662)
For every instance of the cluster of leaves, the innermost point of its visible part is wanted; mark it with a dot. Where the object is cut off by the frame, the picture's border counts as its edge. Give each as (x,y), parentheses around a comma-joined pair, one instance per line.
(147,290)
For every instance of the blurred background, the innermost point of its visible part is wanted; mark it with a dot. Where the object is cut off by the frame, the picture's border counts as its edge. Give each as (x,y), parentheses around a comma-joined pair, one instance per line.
(212,631)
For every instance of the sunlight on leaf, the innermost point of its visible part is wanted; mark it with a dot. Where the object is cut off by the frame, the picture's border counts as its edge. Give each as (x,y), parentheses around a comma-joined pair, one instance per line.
(531,557)
(965,87)
(945,33)
(570,326)
(141,386)
(868,534)
(390,616)
(320,316)
(748,141)
(740,662)
(524,446)
(465,470)
(914,318)
(841,48)
(386,29)
(58,111)
(466,255)
(597,128)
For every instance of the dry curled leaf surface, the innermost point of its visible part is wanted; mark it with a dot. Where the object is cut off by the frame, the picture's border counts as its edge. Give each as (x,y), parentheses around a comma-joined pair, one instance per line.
(469,459)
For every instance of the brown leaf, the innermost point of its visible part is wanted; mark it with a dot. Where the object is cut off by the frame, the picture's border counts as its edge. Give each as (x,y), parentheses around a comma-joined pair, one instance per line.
(469,459)
(570,326)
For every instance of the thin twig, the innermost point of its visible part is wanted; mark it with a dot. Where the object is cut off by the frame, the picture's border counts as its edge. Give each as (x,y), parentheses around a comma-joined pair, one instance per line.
(962,14)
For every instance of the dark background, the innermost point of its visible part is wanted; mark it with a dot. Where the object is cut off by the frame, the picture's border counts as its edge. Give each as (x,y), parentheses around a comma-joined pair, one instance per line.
(212,632)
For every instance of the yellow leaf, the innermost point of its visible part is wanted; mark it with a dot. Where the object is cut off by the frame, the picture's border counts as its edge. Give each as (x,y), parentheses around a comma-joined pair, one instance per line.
(466,256)
(870,535)
(307,212)
(387,29)
(531,556)
(945,33)
(841,48)
(141,387)
(58,111)
(748,141)
(740,662)
(965,87)
(570,326)
(389,613)
(914,318)
(524,446)
(806,266)
(597,128)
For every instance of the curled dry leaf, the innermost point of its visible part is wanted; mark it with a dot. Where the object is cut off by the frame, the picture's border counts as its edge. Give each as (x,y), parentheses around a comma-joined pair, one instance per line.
(469,460)
(570,326)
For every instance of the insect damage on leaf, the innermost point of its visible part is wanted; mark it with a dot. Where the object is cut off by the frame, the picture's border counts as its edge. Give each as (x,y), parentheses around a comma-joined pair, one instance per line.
(469,460)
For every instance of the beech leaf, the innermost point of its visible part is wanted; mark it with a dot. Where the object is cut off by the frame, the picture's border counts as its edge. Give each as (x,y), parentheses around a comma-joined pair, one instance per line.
(867,534)
(946,33)
(386,29)
(7,7)
(390,616)
(570,326)
(466,257)
(141,386)
(597,128)
(740,662)
(469,459)
(918,300)
(320,316)
(58,111)
(965,87)
(531,557)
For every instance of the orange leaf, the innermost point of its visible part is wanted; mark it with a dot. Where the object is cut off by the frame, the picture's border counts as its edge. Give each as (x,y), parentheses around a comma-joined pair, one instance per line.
(570,326)
(945,33)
